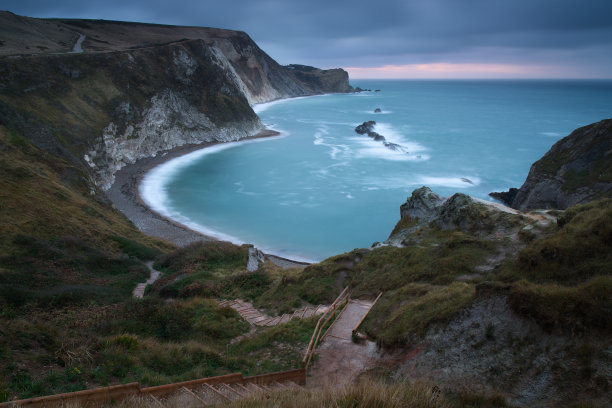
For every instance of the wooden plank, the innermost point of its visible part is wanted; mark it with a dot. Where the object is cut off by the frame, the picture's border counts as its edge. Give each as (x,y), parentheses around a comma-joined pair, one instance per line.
(245,389)
(156,401)
(96,395)
(298,376)
(336,319)
(216,391)
(365,315)
(234,390)
(161,390)
(188,391)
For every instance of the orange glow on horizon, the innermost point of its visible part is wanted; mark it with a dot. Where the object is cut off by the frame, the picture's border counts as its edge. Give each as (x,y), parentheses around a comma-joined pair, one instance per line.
(448,70)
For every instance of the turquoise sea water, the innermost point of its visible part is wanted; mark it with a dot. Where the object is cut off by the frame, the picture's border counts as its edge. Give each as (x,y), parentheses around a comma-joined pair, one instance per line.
(321,189)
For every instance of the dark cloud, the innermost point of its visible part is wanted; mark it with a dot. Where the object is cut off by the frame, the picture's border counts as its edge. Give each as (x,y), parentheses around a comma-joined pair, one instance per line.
(571,34)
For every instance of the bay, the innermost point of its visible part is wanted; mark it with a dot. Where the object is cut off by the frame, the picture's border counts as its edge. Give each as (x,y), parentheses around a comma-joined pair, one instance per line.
(321,189)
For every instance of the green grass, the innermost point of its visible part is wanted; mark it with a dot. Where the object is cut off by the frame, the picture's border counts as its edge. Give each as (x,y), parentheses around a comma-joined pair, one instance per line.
(151,341)
(579,249)
(588,305)
(402,316)
(210,269)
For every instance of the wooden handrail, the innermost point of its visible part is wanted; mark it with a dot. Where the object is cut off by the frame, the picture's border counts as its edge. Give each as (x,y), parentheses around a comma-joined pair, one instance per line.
(120,392)
(365,315)
(323,320)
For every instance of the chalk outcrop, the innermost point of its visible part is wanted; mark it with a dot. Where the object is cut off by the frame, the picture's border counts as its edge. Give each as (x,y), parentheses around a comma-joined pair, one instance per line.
(137,90)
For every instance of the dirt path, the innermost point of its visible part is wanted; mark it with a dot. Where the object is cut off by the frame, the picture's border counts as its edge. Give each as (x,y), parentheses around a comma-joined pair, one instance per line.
(78,46)
(140,288)
(340,360)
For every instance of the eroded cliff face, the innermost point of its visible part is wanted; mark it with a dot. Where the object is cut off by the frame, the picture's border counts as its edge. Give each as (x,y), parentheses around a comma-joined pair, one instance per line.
(576,170)
(138,89)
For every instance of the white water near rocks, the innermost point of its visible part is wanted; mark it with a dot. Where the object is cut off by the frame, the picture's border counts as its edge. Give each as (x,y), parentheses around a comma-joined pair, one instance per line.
(322,189)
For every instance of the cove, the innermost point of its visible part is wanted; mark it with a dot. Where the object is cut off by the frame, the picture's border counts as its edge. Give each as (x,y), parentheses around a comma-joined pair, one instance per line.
(321,189)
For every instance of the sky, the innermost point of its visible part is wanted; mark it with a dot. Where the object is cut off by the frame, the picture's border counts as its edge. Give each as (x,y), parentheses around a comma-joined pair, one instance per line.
(390,38)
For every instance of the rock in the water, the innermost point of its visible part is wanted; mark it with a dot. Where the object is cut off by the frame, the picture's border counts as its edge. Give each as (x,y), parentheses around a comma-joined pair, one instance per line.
(395,147)
(577,169)
(365,128)
(377,110)
(376,136)
(423,204)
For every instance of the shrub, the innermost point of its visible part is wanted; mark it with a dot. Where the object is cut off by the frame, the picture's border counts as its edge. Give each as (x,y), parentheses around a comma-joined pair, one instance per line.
(553,306)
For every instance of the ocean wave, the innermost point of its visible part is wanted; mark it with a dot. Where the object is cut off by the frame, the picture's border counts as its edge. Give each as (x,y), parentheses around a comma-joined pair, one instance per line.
(382,112)
(453,181)
(417,180)
(153,188)
(335,150)
(260,107)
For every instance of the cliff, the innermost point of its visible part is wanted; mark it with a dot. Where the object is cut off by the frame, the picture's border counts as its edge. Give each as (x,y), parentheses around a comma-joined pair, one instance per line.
(577,169)
(137,90)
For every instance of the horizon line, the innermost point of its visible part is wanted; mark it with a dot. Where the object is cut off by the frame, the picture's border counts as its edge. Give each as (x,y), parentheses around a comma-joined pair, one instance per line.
(482,78)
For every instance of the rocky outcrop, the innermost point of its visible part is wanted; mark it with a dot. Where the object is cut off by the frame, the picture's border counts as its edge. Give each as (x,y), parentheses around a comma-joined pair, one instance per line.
(137,90)
(367,128)
(255,260)
(459,211)
(577,169)
(423,205)
(506,197)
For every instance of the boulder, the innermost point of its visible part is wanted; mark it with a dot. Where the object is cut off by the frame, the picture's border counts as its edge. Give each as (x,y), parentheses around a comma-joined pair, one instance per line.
(365,128)
(423,205)
(256,259)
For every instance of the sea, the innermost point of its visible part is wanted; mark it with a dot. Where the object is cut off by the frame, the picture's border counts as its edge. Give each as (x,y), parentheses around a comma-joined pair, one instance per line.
(321,189)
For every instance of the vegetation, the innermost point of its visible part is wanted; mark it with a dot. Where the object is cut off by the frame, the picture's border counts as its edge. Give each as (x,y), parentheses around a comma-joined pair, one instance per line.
(150,341)
(59,244)
(563,279)
(402,316)
(69,262)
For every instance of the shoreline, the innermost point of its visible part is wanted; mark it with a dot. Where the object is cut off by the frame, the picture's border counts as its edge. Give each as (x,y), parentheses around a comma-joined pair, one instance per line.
(125,196)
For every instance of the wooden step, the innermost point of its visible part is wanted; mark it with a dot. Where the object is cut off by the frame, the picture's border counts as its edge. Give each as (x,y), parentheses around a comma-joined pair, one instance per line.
(229,392)
(274,321)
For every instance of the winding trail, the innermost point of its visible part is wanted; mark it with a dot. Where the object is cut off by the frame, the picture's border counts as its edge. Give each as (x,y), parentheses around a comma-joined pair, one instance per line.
(78,46)
(140,288)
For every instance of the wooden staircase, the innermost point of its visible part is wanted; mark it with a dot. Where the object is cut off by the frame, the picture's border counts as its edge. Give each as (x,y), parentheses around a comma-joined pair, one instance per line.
(258,318)
(210,394)
(194,393)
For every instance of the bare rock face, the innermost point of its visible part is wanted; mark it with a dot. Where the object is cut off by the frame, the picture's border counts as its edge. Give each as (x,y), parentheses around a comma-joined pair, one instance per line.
(459,211)
(577,169)
(137,90)
(255,260)
(423,204)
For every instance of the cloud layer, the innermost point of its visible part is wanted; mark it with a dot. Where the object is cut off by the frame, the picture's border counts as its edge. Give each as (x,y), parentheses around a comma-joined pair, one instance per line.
(449,38)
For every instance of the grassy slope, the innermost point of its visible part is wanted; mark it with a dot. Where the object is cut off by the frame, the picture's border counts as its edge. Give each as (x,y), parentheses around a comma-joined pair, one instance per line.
(62,283)
(54,232)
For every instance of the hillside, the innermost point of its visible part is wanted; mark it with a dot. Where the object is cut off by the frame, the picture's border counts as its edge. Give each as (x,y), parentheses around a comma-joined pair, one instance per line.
(482,305)
(137,90)
(68,259)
